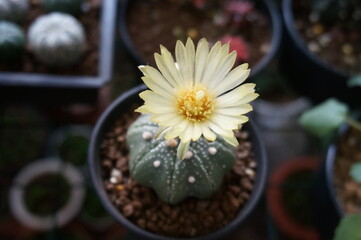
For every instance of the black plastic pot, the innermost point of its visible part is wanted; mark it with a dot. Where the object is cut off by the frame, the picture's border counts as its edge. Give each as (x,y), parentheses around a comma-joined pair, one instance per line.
(327,204)
(114,111)
(47,82)
(267,6)
(308,73)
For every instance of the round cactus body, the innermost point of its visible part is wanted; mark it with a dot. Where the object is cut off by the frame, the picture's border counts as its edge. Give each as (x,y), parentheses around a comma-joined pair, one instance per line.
(12,41)
(153,163)
(67,6)
(57,39)
(13,10)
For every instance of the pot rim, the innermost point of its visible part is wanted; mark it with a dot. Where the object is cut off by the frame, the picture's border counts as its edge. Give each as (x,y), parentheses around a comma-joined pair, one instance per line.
(99,186)
(288,19)
(271,10)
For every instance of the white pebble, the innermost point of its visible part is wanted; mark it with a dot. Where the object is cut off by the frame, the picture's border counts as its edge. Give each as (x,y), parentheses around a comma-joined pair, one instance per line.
(147,135)
(313,47)
(191,179)
(249,172)
(113,180)
(212,150)
(156,163)
(189,154)
(116,173)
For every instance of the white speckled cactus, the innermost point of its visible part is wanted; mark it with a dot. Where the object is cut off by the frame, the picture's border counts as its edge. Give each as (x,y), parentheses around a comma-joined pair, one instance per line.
(154,163)
(13,10)
(57,39)
(12,41)
(67,6)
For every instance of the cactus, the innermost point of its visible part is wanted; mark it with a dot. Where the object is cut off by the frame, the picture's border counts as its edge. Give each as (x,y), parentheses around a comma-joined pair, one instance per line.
(67,6)
(12,41)
(57,39)
(13,10)
(153,163)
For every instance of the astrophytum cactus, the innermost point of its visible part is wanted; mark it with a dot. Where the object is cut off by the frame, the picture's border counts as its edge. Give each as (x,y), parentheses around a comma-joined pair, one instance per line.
(13,10)
(154,163)
(67,6)
(57,39)
(12,41)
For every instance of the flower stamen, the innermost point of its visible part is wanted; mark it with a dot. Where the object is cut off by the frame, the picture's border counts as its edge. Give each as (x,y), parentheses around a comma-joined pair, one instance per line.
(195,105)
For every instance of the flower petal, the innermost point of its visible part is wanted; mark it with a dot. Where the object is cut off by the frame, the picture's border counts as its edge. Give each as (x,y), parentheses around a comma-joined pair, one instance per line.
(182,149)
(157,77)
(201,59)
(154,86)
(233,79)
(242,94)
(185,60)
(231,140)
(168,62)
(207,133)
(234,111)
(211,63)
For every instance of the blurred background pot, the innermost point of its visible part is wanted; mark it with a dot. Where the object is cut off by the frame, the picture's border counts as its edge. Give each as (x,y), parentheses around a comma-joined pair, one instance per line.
(306,71)
(266,8)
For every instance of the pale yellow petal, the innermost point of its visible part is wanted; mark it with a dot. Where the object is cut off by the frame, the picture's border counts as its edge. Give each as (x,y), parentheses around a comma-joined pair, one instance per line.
(157,77)
(222,70)
(156,87)
(219,130)
(187,134)
(231,140)
(201,59)
(240,95)
(166,119)
(185,60)
(229,122)
(234,111)
(171,66)
(182,149)
(165,71)
(161,131)
(149,95)
(142,109)
(211,63)
(197,131)
(233,79)
(207,133)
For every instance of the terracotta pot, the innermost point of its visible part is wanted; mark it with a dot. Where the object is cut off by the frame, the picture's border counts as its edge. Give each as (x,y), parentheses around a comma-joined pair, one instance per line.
(121,105)
(275,199)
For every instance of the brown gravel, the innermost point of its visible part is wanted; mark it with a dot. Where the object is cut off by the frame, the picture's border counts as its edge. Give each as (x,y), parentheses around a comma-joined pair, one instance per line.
(192,217)
(149,25)
(337,45)
(88,65)
(349,152)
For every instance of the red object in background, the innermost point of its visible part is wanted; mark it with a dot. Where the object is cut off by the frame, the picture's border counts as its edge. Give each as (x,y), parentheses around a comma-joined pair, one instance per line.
(238,7)
(199,3)
(237,44)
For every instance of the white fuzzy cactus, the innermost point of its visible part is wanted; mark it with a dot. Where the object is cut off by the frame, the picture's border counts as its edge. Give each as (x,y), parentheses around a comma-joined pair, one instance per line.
(13,10)
(12,41)
(57,39)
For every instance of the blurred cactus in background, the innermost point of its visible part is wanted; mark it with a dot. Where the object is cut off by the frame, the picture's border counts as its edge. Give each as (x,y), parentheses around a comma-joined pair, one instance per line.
(13,10)
(12,41)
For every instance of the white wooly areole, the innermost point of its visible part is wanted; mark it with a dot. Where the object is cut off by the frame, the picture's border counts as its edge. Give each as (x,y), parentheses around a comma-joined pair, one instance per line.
(37,169)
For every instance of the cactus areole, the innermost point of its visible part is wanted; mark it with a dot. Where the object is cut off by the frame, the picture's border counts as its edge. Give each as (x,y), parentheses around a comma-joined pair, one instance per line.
(154,163)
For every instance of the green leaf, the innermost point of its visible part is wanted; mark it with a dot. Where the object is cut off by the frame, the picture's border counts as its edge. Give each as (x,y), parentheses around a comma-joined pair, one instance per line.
(355,172)
(349,228)
(324,119)
(355,81)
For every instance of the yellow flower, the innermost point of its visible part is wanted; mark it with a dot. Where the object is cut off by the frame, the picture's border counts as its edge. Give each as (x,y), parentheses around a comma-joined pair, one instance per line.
(198,94)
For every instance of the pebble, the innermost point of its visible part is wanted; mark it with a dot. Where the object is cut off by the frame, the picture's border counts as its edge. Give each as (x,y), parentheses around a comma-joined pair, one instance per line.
(313,47)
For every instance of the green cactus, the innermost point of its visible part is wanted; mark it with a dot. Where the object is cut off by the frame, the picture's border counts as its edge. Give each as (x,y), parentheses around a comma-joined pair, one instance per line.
(153,163)
(12,41)
(13,10)
(57,39)
(67,6)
